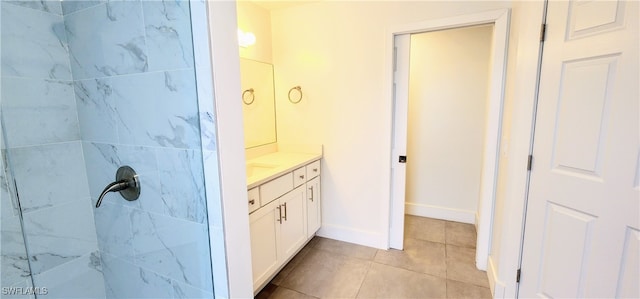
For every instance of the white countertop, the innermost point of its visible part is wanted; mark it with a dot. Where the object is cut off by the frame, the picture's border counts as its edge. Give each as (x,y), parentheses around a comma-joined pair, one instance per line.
(267,167)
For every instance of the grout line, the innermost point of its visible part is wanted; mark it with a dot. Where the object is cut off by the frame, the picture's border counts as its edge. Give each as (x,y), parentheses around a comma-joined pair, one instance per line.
(363,278)
(413,271)
(469,283)
(446,289)
(297,291)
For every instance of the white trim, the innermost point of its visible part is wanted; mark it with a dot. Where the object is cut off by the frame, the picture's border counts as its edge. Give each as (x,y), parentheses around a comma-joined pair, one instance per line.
(348,234)
(522,91)
(492,140)
(497,287)
(204,83)
(399,133)
(486,17)
(500,19)
(233,184)
(422,210)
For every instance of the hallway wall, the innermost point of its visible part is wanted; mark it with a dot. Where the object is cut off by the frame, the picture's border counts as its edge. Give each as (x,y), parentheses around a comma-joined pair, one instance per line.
(339,56)
(447,114)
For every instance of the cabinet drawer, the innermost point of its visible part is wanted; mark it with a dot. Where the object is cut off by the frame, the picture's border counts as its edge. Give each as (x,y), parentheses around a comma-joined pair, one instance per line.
(254,199)
(313,170)
(276,188)
(299,177)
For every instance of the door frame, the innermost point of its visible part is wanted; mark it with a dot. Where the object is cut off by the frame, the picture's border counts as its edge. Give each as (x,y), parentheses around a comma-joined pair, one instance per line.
(484,216)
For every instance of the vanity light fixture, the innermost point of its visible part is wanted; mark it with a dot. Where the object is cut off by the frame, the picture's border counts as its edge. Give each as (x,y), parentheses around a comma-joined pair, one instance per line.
(246,39)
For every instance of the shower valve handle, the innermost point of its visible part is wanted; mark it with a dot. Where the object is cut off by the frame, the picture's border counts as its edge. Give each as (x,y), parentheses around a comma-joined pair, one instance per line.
(126,183)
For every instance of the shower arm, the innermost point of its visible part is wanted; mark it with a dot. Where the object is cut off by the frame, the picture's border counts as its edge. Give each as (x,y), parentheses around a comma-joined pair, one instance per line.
(113,187)
(126,183)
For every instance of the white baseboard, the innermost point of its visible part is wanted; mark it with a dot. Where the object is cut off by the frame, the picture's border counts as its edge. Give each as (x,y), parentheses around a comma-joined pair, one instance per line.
(477,220)
(350,235)
(497,287)
(443,213)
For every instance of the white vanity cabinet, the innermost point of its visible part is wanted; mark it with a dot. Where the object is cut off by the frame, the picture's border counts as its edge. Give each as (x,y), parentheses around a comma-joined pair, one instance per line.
(265,233)
(288,217)
(313,206)
(293,226)
(254,199)
(313,198)
(278,230)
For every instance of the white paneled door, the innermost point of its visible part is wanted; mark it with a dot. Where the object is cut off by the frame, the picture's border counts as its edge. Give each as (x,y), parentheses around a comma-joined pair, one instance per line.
(582,236)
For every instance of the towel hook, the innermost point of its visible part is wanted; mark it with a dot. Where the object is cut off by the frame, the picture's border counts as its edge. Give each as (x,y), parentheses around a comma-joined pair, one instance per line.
(299,89)
(251,96)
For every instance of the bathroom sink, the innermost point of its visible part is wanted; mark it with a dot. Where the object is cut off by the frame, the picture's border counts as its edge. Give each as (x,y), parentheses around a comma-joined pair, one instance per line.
(259,168)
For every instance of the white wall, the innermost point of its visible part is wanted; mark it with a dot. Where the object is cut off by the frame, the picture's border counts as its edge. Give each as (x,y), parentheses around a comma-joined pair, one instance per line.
(255,19)
(339,59)
(448,98)
(337,52)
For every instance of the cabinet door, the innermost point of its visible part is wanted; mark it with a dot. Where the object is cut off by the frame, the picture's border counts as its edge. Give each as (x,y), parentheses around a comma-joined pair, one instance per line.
(293,231)
(265,231)
(314,218)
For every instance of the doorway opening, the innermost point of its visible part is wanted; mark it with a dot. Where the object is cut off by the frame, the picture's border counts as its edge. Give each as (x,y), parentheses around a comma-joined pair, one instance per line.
(447,112)
(483,217)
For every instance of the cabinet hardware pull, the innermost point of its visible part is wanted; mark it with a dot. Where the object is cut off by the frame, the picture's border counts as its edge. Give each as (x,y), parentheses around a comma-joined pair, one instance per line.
(315,170)
(302,176)
(311,188)
(279,214)
(285,211)
(252,201)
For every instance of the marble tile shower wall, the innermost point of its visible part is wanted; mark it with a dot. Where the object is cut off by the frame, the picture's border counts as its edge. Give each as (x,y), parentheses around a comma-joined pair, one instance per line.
(135,90)
(44,143)
(15,268)
(117,88)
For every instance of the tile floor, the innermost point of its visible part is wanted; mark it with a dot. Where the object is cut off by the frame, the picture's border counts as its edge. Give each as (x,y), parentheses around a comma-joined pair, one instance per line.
(438,262)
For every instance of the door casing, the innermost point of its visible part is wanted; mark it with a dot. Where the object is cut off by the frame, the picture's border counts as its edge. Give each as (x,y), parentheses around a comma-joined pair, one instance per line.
(395,209)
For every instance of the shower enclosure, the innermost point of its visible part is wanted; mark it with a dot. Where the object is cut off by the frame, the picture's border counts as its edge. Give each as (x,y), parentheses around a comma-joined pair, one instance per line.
(88,87)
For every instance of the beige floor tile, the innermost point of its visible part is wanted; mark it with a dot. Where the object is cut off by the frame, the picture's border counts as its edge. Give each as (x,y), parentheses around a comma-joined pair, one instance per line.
(284,293)
(266,292)
(344,248)
(460,234)
(461,266)
(292,264)
(327,275)
(313,242)
(424,228)
(427,267)
(461,254)
(418,255)
(384,281)
(456,289)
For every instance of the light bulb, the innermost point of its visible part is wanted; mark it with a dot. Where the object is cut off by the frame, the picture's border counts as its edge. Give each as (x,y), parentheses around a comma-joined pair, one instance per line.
(246,39)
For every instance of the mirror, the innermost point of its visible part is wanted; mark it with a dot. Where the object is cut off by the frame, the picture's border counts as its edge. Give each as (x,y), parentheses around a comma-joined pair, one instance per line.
(258,108)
